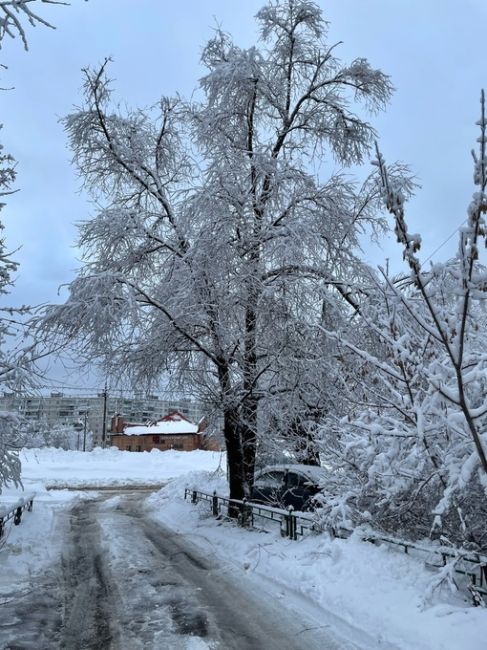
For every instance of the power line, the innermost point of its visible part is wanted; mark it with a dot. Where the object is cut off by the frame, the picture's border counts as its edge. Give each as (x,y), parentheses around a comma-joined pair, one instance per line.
(443,243)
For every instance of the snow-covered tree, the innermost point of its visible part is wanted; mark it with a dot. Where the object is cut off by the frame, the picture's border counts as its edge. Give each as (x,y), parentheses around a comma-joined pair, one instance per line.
(414,457)
(37,434)
(15,361)
(221,234)
(16,371)
(304,385)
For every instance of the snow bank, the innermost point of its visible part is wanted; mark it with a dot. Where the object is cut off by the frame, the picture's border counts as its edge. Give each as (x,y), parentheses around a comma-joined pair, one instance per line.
(361,586)
(36,545)
(56,468)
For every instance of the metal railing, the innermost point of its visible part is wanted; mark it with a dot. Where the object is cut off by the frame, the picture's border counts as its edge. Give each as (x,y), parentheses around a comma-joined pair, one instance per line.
(14,511)
(472,566)
(291,524)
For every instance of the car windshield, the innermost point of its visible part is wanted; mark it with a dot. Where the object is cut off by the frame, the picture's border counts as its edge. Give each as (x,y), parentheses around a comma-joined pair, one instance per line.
(296,480)
(270,479)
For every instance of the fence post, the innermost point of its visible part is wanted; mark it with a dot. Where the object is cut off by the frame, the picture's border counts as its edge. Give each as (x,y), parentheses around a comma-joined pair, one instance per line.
(18,516)
(214,504)
(1,527)
(194,497)
(245,513)
(29,506)
(292,524)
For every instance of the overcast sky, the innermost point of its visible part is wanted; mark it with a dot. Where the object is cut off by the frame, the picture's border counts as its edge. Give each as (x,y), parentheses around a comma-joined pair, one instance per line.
(432,49)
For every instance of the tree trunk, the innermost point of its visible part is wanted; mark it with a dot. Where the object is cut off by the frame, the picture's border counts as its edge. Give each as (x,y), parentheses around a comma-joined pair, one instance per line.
(234,459)
(248,420)
(248,434)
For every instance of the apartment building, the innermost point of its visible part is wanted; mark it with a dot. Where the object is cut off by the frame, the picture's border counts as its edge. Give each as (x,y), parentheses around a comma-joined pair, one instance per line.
(71,409)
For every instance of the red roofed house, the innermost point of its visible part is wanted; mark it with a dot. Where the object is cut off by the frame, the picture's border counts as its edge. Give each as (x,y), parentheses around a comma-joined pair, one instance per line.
(173,431)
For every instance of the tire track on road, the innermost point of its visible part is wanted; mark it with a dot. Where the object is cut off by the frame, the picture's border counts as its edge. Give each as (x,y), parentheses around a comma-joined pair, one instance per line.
(87,599)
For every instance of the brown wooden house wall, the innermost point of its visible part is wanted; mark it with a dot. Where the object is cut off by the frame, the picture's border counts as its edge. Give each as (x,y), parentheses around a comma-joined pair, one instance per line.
(184,442)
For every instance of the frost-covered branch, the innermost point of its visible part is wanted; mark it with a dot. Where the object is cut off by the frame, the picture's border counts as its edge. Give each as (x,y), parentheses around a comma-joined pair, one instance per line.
(453,333)
(414,441)
(15,13)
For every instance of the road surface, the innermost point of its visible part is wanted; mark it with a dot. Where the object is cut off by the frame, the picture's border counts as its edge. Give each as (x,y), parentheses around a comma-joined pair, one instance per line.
(125,582)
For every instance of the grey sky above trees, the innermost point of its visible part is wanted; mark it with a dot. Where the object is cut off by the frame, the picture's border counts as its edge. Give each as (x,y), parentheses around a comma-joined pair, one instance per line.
(430,50)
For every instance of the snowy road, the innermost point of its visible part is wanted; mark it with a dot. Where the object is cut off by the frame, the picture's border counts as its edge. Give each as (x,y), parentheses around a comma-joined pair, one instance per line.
(125,582)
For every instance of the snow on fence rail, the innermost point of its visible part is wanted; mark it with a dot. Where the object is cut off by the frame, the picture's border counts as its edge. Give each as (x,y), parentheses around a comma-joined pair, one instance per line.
(15,511)
(290,523)
(471,566)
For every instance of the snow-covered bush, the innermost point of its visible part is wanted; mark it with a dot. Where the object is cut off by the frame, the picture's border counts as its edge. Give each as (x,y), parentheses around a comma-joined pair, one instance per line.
(9,449)
(412,450)
(36,435)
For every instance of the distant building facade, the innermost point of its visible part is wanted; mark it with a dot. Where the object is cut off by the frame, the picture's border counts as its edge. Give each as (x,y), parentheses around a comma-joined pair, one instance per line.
(60,408)
(173,431)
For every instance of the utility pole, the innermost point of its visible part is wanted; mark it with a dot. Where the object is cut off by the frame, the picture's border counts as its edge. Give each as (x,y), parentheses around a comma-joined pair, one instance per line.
(104,430)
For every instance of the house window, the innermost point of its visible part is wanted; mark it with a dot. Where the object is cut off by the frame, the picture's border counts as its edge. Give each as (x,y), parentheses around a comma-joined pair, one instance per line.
(139,447)
(178,445)
(155,438)
(128,447)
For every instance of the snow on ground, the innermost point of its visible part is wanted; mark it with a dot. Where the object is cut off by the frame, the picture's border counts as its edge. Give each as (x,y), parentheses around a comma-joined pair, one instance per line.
(34,544)
(353,584)
(375,589)
(56,468)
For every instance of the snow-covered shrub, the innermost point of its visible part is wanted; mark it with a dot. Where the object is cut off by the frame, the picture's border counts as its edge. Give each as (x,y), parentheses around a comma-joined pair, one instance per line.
(9,449)
(36,435)
(412,450)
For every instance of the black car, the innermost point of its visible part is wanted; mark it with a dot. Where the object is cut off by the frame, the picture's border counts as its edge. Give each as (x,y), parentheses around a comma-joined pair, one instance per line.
(288,485)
